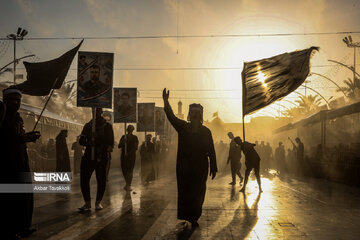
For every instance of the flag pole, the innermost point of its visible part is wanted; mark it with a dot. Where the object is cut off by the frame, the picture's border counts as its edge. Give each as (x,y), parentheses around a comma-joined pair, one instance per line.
(42,111)
(52,91)
(93,129)
(243,102)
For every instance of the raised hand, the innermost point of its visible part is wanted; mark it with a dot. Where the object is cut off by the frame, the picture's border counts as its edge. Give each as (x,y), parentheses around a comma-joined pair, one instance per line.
(166,94)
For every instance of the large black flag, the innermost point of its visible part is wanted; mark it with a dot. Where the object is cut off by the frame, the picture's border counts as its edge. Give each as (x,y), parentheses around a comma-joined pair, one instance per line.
(44,76)
(266,80)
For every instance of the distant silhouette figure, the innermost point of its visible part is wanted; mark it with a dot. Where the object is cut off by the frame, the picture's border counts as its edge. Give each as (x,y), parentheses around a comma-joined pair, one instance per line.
(195,148)
(252,161)
(147,151)
(62,153)
(128,156)
(234,159)
(280,157)
(103,141)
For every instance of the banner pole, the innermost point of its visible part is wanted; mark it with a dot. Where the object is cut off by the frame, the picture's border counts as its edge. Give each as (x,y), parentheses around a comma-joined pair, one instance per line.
(125,134)
(243,102)
(145,139)
(93,128)
(42,110)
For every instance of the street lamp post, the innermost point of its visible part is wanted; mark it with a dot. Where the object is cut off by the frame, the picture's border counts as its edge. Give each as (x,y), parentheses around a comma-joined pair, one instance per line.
(349,43)
(20,34)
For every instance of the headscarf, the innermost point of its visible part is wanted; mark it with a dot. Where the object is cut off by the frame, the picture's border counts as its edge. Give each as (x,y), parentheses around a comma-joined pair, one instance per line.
(196,107)
(11,90)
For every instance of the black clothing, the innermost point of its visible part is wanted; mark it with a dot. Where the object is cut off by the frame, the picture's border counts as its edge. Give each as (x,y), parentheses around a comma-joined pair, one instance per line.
(104,140)
(87,168)
(234,158)
(128,160)
(195,148)
(62,154)
(280,158)
(147,152)
(17,207)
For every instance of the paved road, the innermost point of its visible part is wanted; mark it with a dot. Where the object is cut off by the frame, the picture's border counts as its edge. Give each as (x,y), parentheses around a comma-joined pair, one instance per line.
(289,208)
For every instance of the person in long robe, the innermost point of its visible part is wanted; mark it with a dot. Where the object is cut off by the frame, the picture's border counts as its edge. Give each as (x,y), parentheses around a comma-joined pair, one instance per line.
(147,153)
(129,144)
(234,159)
(195,148)
(62,153)
(252,161)
(17,207)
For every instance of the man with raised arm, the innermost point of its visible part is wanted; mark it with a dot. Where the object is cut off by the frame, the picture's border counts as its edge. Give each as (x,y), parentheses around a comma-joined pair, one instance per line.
(195,149)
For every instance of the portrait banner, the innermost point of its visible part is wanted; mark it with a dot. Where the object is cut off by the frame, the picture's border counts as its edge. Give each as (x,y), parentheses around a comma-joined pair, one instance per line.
(95,79)
(159,120)
(146,117)
(125,102)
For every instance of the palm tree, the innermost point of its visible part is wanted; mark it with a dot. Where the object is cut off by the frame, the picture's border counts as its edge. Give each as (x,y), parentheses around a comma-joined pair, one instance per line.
(351,87)
(293,112)
(308,103)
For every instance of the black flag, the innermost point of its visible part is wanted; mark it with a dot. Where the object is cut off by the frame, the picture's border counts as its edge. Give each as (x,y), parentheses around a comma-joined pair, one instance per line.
(44,76)
(266,80)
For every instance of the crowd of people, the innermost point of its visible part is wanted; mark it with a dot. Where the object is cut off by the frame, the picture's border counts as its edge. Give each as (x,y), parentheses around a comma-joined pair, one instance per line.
(197,157)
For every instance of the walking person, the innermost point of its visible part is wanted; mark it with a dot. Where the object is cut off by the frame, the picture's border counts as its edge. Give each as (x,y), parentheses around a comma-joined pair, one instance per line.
(234,159)
(103,142)
(147,153)
(195,149)
(128,156)
(252,161)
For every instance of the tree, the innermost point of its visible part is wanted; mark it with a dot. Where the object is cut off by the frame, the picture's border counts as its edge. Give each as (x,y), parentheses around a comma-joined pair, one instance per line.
(309,103)
(351,88)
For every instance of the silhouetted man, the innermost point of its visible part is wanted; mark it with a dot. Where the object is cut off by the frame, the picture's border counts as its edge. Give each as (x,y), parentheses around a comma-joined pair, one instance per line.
(128,156)
(252,161)
(280,156)
(103,141)
(147,152)
(62,153)
(234,159)
(268,155)
(195,148)
(17,208)
(299,153)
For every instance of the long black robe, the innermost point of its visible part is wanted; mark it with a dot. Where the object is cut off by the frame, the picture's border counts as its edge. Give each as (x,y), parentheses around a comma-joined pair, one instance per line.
(17,207)
(194,151)
(147,152)
(62,154)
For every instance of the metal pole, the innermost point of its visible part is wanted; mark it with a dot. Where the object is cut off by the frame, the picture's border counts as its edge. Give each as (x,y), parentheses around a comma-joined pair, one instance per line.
(125,139)
(243,101)
(93,128)
(42,111)
(14,61)
(354,63)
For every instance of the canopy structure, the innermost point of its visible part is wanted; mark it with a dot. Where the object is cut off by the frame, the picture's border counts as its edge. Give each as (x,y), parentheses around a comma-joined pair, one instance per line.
(322,117)
(49,118)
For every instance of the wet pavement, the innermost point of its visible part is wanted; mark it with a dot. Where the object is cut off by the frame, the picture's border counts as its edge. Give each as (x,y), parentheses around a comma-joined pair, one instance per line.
(289,208)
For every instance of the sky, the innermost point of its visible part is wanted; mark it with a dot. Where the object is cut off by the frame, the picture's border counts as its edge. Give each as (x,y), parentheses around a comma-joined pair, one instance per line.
(218,90)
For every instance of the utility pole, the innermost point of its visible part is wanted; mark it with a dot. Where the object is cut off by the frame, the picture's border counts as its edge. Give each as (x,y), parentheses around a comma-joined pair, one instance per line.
(349,43)
(20,34)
